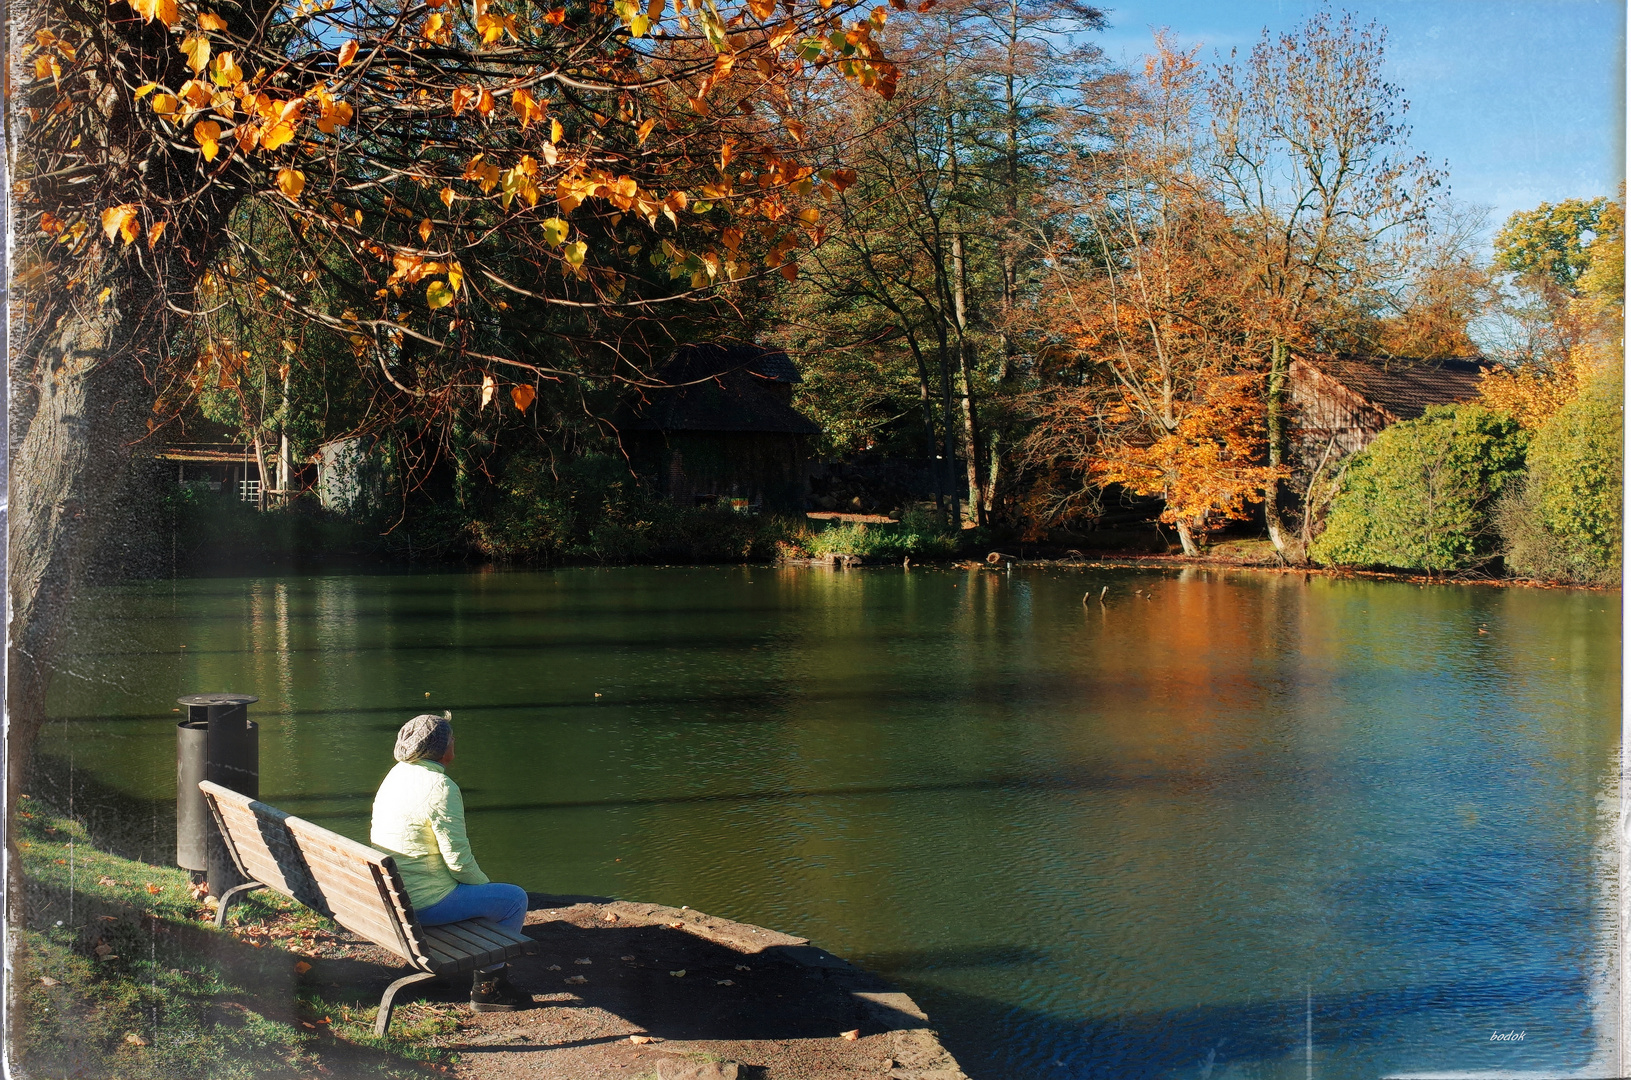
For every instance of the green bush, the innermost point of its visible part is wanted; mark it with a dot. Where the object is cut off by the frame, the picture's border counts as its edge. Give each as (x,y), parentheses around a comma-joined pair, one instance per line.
(593,510)
(1564,522)
(917,535)
(1420,497)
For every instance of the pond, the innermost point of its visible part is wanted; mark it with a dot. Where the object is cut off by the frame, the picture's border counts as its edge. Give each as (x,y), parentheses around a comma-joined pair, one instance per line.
(1213,825)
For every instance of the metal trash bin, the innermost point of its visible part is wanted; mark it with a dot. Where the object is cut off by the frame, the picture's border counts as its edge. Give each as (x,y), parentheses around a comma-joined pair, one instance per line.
(217,742)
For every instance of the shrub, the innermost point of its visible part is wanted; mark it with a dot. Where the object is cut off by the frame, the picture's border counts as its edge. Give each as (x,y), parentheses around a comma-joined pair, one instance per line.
(1564,523)
(917,535)
(1420,496)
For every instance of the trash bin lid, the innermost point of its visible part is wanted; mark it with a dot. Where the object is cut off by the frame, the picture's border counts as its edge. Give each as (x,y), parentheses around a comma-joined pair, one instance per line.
(217,699)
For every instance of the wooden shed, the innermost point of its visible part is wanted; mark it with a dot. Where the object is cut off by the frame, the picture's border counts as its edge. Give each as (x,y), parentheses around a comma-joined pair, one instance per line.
(722,429)
(1349,400)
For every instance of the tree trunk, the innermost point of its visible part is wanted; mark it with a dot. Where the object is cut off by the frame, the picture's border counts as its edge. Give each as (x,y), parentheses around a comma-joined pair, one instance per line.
(79,404)
(965,364)
(1284,540)
(1186,538)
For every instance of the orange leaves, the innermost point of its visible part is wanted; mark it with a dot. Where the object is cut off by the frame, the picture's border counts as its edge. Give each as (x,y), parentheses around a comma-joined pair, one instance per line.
(763,10)
(165,11)
(334,114)
(526,107)
(447,195)
(643,131)
(795,129)
(462,98)
(291,182)
(121,220)
(225,71)
(523,397)
(286,117)
(485,103)
(208,20)
(165,104)
(154,233)
(484,173)
(425,229)
(436,28)
(348,53)
(207,133)
(556,17)
(556,132)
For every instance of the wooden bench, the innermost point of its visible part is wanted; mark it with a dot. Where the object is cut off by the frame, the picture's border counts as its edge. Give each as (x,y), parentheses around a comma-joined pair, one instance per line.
(353,884)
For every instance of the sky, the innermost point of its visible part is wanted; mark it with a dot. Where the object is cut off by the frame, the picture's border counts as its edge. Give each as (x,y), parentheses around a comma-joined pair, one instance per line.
(1524,101)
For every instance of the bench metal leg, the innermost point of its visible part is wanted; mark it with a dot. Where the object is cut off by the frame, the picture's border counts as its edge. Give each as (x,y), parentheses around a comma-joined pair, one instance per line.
(228,897)
(388,1002)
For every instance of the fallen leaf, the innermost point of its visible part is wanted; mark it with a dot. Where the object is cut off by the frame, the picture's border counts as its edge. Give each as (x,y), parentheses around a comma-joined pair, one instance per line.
(851,1035)
(639,1040)
(302,967)
(626,958)
(102,949)
(48,980)
(743,967)
(610,916)
(576,979)
(553,967)
(106,881)
(723,982)
(680,974)
(583,960)
(676,926)
(134,1039)
(154,889)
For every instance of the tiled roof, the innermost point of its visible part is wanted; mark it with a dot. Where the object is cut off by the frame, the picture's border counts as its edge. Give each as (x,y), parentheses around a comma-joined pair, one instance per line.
(1405,388)
(719,388)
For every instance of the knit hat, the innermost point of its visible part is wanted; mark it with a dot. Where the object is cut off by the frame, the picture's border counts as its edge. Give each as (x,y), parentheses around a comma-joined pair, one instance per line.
(424,738)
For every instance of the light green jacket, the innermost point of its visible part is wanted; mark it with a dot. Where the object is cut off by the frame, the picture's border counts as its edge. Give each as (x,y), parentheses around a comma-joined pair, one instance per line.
(419,819)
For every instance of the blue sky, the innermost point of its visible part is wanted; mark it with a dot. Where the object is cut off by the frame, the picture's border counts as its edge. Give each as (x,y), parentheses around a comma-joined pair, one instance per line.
(1526,101)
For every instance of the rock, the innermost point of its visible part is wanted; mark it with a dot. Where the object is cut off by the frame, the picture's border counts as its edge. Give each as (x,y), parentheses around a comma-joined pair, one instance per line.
(674,1069)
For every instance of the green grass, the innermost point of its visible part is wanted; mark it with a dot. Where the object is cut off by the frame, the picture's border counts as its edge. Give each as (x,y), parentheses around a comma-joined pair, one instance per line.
(919,536)
(119,972)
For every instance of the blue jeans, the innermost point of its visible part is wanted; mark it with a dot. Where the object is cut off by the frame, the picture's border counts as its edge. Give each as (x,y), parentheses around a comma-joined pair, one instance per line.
(504,904)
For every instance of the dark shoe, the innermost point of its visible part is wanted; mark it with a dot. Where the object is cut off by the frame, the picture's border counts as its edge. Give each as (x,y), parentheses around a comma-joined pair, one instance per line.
(492,991)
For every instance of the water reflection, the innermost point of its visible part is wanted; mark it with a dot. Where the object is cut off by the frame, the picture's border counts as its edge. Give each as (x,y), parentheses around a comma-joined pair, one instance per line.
(1117,838)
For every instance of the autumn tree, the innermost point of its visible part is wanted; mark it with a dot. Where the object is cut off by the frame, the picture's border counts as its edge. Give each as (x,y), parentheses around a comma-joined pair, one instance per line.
(1151,307)
(519,192)
(1310,158)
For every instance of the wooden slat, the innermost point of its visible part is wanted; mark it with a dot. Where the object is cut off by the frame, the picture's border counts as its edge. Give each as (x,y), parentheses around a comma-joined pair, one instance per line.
(472,940)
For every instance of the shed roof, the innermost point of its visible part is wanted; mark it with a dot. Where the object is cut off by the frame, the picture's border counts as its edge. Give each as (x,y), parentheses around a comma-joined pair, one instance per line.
(716,387)
(1405,388)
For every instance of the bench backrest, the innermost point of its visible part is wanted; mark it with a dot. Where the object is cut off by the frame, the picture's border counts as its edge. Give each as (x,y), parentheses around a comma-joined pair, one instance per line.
(353,884)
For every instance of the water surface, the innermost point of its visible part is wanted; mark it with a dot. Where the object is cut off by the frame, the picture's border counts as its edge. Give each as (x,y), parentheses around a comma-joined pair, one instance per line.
(1220,825)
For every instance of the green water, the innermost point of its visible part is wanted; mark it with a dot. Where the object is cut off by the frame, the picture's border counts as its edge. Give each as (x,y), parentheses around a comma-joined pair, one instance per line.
(1168,835)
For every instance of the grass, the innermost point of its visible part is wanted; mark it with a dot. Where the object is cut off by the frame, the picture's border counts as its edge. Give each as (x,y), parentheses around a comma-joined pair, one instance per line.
(119,972)
(916,535)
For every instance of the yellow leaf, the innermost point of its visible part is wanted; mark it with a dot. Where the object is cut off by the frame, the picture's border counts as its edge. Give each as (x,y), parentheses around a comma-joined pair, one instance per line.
(425,229)
(644,130)
(462,97)
(448,195)
(575,252)
(102,298)
(154,233)
(487,388)
(196,48)
(208,20)
(164,11)
(120,219)
(455,276)
(348,53)
(225,71)
(555,232)
(485,103)
(144,89)
(207,134)
(438,295)
(639,25)
(523,396)
(555,131)
(291,182)
(762,9)
(433,30)
(165,104)
(526,107)
(276,135)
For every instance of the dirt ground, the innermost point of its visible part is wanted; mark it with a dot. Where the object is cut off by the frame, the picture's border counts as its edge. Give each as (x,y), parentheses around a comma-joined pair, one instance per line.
(698,993)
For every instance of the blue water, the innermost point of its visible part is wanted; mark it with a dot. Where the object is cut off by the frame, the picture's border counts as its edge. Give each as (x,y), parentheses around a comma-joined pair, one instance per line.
(1220,825)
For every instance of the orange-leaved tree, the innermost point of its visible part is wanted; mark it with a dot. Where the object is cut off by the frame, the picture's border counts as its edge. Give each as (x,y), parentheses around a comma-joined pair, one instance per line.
(1155,386)
(439,182)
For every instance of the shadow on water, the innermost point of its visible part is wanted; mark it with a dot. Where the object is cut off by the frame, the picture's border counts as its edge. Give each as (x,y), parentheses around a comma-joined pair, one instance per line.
(1205,1039)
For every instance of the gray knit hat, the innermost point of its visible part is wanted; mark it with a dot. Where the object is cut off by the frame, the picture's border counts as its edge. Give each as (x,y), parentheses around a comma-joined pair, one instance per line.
(424,738)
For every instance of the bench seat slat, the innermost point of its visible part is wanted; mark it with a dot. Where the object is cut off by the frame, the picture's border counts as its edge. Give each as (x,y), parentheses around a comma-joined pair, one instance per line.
(467,935)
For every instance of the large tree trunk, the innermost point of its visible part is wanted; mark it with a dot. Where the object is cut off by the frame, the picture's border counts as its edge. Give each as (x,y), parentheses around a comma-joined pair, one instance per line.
(965,371)
(1285,541)
(78,403)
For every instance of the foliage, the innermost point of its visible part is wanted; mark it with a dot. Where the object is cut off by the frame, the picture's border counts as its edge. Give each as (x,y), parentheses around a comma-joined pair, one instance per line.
(593,510)
(917,535)
(1551,242)
(116,976)
(1565,522)
(1149,307)
(1419,497)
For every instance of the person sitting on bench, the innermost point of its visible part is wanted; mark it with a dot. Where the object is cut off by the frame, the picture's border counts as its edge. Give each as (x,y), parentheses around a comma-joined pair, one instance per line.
(419,819)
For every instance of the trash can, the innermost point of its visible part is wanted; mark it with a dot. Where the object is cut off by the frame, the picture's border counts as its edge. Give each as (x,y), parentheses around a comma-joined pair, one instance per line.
(217,742)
